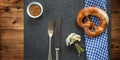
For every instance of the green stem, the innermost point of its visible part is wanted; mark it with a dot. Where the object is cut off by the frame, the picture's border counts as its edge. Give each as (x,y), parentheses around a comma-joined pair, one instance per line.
(79,49)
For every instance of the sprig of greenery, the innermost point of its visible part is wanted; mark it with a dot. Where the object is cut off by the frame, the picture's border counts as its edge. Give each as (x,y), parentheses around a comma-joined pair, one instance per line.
(79,49)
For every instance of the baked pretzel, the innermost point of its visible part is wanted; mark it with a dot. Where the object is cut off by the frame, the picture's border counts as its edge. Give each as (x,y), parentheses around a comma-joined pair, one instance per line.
(97,12)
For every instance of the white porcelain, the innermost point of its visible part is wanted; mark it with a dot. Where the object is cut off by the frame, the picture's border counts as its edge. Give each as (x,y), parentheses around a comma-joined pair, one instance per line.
(37,3)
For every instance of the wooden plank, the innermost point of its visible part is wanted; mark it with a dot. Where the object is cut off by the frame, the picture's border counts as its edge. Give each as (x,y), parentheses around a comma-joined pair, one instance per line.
(115,12)
(115,43)
(115,55)
(12,35)
(12,29)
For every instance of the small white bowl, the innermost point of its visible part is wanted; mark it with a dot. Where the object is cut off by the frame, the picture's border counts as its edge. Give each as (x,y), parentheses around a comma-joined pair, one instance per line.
(36,3)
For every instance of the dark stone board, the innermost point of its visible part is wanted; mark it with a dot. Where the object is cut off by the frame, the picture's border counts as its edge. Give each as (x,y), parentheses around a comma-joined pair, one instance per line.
(36,30)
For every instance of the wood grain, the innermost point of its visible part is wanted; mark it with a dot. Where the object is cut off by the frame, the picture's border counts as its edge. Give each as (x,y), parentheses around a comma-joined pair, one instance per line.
(12,30)
(115,43)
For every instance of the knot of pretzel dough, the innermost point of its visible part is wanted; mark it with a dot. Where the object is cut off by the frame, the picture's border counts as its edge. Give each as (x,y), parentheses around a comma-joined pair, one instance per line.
(97,12)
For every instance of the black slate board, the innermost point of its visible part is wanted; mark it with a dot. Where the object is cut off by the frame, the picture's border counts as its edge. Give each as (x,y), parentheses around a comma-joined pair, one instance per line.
(109,28)
(36,34)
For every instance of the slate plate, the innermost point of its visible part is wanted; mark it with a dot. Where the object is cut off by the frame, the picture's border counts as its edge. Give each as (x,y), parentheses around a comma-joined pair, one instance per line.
(36,34)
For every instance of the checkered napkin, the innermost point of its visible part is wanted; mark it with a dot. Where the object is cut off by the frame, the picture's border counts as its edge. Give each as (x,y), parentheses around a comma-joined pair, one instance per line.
(97,47)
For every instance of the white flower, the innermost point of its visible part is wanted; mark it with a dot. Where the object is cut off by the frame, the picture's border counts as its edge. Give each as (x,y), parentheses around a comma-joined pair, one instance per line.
(72,38)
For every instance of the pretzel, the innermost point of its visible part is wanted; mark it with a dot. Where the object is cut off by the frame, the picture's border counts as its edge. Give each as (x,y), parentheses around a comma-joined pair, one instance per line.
(97,12)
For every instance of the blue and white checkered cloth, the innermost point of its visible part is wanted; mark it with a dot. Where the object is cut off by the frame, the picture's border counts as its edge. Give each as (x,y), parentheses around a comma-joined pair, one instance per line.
(97,47)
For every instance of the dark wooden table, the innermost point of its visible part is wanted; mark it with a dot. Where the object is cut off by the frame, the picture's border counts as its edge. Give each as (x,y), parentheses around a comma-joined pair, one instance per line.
(115,42)
(12,30)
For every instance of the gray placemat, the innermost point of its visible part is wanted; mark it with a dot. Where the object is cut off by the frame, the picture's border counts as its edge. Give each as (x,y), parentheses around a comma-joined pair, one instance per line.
(36,34)
(109,27)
